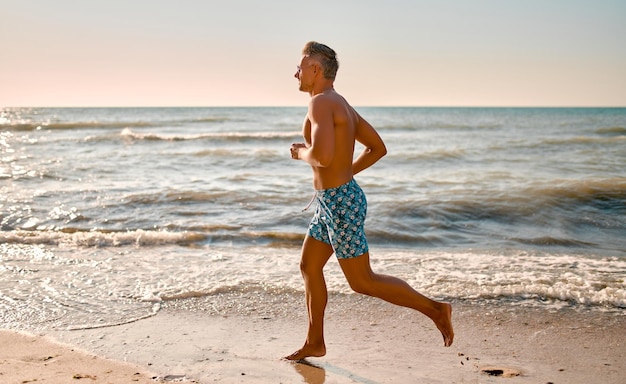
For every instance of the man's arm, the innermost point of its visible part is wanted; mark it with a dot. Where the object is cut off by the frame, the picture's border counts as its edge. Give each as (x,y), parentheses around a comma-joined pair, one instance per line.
(322,149)
(374,145)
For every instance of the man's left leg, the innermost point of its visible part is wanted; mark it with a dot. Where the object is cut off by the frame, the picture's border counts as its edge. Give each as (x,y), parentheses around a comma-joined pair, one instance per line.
(396,291)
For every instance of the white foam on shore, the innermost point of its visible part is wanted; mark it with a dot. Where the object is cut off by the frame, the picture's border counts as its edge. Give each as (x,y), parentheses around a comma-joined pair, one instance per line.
(57,286)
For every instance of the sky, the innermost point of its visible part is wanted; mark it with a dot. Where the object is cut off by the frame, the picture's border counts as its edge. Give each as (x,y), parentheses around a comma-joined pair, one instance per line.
(244,53)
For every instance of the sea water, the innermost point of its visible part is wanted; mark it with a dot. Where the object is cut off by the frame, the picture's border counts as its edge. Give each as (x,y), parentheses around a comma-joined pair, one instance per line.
(107,212)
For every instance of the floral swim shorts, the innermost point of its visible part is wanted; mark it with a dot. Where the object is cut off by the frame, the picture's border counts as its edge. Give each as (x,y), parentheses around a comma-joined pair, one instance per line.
(339,219)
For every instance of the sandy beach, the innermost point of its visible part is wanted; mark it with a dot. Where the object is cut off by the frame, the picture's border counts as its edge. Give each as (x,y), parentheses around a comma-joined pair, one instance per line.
(240,338)
(26,358)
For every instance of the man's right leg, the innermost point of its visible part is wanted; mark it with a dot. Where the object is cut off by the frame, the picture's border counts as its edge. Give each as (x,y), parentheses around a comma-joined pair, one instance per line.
(315,254)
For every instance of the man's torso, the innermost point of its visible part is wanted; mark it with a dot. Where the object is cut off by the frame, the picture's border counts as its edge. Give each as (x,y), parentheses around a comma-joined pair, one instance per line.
(344,125)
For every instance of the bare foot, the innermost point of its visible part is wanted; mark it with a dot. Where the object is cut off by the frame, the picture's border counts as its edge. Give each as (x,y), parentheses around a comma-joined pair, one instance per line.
(444,324)
(307,351)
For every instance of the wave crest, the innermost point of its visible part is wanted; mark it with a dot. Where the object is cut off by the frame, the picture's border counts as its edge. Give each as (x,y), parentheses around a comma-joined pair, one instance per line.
(81,238)
(226,136)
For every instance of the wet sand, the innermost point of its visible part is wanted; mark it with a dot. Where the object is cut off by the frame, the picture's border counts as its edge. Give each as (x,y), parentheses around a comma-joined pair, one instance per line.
(241,337)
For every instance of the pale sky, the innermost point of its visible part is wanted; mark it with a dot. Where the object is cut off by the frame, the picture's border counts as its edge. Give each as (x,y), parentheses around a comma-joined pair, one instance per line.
(245,52)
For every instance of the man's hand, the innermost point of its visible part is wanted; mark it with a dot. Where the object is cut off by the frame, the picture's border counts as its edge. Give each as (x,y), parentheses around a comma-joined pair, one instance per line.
(295,150)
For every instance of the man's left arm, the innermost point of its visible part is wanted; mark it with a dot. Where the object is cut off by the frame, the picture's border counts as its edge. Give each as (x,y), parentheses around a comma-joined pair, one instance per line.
(374,146)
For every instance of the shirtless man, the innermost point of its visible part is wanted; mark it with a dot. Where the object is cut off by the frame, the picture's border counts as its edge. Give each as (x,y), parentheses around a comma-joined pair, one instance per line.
(330,131)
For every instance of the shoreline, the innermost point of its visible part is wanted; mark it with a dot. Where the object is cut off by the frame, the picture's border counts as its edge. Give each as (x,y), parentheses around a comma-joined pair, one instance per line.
(240,338)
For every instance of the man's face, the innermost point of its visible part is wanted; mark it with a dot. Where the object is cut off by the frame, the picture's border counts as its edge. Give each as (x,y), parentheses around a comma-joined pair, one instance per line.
(305,74)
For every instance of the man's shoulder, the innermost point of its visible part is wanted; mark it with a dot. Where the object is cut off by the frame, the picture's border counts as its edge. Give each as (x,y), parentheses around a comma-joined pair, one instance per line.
(329,100)
(322,98)
(334,106)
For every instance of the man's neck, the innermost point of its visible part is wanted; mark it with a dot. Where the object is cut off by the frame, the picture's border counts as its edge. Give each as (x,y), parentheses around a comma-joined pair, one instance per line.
(326,86)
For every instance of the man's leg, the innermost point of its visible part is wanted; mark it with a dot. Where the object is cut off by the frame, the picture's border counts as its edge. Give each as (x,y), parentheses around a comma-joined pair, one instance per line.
(315,254)
(396,291)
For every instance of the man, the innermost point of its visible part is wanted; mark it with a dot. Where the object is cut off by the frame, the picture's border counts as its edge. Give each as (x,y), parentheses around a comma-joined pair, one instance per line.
(330,131)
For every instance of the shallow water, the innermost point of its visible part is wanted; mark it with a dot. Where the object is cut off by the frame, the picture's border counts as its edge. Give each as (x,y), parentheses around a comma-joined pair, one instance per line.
(105,212)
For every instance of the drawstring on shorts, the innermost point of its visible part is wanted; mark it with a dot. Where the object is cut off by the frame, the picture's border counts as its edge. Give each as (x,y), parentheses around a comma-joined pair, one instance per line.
(310,202)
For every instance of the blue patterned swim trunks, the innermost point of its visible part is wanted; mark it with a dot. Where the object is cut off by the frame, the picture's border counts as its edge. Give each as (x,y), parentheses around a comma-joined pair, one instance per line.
(339,219)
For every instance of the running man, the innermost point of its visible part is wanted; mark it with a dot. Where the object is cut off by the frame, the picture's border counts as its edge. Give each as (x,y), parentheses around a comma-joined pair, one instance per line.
(331,129)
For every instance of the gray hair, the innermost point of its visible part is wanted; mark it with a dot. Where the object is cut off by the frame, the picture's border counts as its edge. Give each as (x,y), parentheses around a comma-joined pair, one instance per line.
(326,56)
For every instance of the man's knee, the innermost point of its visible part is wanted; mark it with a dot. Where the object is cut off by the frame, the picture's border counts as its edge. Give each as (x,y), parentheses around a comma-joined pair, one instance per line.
(310,265)
(304,266)
(360,286)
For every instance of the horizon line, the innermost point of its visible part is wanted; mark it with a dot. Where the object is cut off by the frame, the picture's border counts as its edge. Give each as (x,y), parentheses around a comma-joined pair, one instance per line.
(304,106)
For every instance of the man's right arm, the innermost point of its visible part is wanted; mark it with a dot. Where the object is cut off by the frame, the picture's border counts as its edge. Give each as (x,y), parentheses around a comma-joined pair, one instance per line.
(321,152)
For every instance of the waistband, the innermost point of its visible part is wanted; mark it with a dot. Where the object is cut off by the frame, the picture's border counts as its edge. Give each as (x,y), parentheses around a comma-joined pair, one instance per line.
(321,192)
(352,181)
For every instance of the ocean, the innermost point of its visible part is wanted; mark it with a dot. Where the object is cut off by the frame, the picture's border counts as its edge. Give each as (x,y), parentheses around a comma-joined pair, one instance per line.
(107,213)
